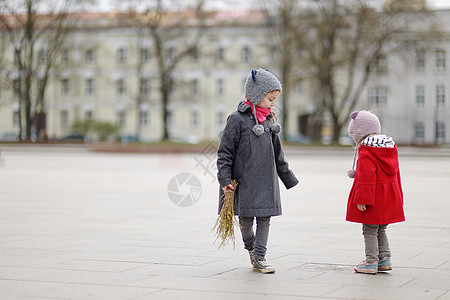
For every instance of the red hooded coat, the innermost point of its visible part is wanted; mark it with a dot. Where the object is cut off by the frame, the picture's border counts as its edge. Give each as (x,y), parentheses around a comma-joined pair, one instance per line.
(377,184)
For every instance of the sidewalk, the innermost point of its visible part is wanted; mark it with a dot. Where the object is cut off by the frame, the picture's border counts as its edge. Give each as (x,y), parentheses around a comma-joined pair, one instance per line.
(83,225)
(173,148)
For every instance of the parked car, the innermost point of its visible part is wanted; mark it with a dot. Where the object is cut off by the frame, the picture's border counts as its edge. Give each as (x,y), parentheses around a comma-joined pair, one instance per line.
(73,138)
(298,138)
(345,139)
(130,138)
(180,138)
(10,136)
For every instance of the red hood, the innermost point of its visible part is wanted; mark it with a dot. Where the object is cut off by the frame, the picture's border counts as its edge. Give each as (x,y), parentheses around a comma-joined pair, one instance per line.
(388,158)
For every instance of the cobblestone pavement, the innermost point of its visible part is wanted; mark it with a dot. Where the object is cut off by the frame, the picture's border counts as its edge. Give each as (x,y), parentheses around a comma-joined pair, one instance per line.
(82,225)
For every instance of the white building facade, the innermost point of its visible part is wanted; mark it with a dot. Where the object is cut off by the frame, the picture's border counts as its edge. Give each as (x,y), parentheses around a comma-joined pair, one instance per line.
(411,96)
(98,79)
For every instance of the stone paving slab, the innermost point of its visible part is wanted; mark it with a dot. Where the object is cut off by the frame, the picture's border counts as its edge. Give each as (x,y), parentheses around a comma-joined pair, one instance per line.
(81,225)
(195,295)
(253,284)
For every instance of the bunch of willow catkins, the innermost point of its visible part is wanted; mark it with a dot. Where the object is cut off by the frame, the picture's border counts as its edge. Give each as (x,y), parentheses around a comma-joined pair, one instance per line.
(224,228)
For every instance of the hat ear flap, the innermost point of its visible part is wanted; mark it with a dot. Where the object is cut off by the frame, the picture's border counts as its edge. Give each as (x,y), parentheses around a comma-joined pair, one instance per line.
(354,114)
(254,75)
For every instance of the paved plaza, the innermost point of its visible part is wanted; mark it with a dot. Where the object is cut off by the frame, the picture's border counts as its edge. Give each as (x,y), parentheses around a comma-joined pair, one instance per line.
(76,224)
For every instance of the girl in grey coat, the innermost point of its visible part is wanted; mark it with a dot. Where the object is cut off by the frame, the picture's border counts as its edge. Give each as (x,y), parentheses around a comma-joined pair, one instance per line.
(250,151)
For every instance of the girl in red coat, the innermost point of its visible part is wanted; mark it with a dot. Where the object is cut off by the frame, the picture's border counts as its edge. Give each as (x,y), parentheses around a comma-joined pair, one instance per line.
(376,197)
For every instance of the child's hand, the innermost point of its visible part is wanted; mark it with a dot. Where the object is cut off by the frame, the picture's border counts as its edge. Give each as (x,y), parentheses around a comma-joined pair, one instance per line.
(227,187)
(361,207)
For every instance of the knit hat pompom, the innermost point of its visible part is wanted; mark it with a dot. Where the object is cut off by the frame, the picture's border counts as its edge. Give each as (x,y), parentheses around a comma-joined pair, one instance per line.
(363,123)
(259,83)
(258,129)
(351,173)
(276,128)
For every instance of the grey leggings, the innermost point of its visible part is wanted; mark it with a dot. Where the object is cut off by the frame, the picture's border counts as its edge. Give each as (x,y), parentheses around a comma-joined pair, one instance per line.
(376,242)
(258,241)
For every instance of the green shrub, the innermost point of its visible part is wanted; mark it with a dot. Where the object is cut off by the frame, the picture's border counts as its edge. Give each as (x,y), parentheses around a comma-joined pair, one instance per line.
(100,129)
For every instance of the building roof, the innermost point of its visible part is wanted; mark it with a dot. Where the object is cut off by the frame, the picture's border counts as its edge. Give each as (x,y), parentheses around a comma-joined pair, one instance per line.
(114,19)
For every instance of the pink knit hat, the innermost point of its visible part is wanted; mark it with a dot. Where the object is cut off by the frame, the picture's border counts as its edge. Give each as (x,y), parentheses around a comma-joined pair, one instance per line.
(362,124)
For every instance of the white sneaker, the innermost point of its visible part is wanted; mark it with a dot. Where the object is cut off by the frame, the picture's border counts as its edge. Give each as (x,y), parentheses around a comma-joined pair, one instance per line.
(251,253)
(260,265)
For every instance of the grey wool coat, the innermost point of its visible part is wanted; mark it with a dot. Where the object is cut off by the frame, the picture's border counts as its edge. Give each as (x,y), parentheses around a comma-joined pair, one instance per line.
(255,162)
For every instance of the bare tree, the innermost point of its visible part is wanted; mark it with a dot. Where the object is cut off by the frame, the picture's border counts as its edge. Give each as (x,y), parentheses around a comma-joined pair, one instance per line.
(36,31)
(284,49)
(342,42)
(175,35)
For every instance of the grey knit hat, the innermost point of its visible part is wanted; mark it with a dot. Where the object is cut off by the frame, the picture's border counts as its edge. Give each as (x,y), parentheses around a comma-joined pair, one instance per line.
(362,124)
(259,83)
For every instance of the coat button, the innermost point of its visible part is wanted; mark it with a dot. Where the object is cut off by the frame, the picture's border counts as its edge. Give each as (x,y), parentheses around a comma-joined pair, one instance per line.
(267,129)
(251,117)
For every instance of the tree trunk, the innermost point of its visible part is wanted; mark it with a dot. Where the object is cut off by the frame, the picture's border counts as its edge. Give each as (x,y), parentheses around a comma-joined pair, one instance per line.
(317,125)
(165,112)
(286,91)
(337,127)
(138,120)
(28,118)
(165,94)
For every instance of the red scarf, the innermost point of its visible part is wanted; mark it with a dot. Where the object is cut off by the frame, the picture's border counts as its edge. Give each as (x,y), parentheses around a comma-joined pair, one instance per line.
(261,113)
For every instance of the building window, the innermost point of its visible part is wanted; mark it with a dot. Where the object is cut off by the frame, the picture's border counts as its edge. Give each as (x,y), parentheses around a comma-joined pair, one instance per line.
(245,54)
(90,56)
(16,55)
(171,54)
(220,87)
(64,87)
(194,87)
(121,55)
(16,119)
(89,87)
(194,55)
(40,83)
(16,85)
(41,56)
(143,118)
(144,88)
(121,115)
(194,119)
(120,87)
(220,119)
(440,95)
(299,88)
(420,95)
(419,132)
(381,64)
(64,56)
(89,115)
(64,118)
(145,55)
(220,56)
(169,119)
(440,60)
(440,132)
(420,60)
(377,95)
